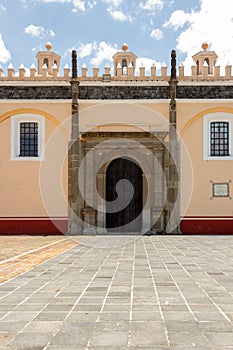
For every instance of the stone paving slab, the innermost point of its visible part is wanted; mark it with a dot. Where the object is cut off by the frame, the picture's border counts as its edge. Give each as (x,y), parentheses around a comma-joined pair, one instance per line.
(14,245)
(124,293)
(17,259)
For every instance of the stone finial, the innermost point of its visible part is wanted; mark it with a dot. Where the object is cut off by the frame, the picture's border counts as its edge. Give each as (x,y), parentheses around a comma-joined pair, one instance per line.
(194,70)
(181,70)
(22,71)
(142,70)
(164,70)
(107,69)
(84,70)
(153,70)
(66,71)
(95,72)
(74,64)
(228,70)
(124,47)
(173,64)
(44,71)
(119,70)
(32,71)
(55,70)
(11,71)
(205,46)
(217,71)
(130,70)
(205,70)
(48,46)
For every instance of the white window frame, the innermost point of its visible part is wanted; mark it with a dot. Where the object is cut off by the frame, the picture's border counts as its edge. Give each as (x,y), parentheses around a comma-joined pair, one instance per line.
(15,136)
(217,117)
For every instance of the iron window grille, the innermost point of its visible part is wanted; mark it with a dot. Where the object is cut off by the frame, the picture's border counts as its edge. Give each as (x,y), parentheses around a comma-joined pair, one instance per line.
(28,139)
(219,139)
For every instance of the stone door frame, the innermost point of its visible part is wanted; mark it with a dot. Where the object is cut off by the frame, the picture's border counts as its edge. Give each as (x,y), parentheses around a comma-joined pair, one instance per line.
(154,160)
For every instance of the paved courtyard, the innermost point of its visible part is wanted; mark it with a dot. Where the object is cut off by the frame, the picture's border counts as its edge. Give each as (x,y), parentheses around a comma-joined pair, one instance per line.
(124,292)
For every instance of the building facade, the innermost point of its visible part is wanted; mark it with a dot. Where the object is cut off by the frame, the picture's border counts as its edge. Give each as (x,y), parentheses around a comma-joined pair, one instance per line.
(116,152)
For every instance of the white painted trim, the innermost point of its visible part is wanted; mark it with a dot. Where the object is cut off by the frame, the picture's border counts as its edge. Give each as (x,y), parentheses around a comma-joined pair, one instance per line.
(54,101)
(205,100)
(15,136)
(156,101)
(205,83)
(215,117)
(138,101)
(34,83)
(207,218)
(124,83)
(149,82)
(128,101)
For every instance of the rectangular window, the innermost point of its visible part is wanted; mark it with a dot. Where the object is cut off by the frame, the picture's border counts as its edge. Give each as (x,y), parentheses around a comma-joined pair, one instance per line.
(219,139)
(28,140)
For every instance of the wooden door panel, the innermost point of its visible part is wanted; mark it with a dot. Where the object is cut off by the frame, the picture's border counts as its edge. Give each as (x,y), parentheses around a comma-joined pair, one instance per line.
(119,169)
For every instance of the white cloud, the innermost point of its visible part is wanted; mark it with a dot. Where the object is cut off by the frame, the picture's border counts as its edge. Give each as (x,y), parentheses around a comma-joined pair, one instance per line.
(213,24)
(5,55)
(103,52)
(79,5)
(38,31)
(178,19)
(147,63)
(156,34)
(92,4)
(98,52)
(114,3)
(151,5)
(120,16)
(85,50)
(2,8)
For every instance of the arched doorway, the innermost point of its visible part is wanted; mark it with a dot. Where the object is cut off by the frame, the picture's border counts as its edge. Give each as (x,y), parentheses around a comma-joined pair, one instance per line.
(124,169)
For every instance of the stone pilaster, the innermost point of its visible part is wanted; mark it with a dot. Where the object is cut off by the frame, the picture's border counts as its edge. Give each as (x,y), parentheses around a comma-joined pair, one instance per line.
(173,186)
(75,155)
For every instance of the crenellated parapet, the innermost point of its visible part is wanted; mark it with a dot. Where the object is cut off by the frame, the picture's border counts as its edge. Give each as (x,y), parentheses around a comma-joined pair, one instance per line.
(32,73)
(204,68)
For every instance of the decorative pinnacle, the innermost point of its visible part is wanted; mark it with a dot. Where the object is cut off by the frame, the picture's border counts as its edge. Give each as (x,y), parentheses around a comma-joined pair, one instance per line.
(124,47)
(173,64)
(49,46)
(205,46)
(74,64)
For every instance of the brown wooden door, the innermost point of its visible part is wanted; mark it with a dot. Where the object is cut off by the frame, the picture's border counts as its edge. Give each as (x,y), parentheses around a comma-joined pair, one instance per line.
(119,169)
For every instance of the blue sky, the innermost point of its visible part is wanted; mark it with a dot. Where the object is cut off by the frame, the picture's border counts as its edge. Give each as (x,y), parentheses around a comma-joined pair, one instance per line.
(97,29)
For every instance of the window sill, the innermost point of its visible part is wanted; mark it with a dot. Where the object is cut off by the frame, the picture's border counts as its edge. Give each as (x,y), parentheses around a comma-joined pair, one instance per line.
(219,158)
(28,159)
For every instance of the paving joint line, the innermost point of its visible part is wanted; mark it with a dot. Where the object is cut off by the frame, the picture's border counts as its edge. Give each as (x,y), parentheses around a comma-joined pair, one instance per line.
(182,295)
(199,285)
(105,299)
(157,296)
(81,295)
(34,292)
(30,251)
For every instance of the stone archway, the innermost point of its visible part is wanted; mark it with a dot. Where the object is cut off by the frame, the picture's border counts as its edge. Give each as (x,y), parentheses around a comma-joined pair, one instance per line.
(125,214)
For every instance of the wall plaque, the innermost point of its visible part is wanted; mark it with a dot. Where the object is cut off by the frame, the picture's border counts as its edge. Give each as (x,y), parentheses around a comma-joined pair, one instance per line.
(221,190)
